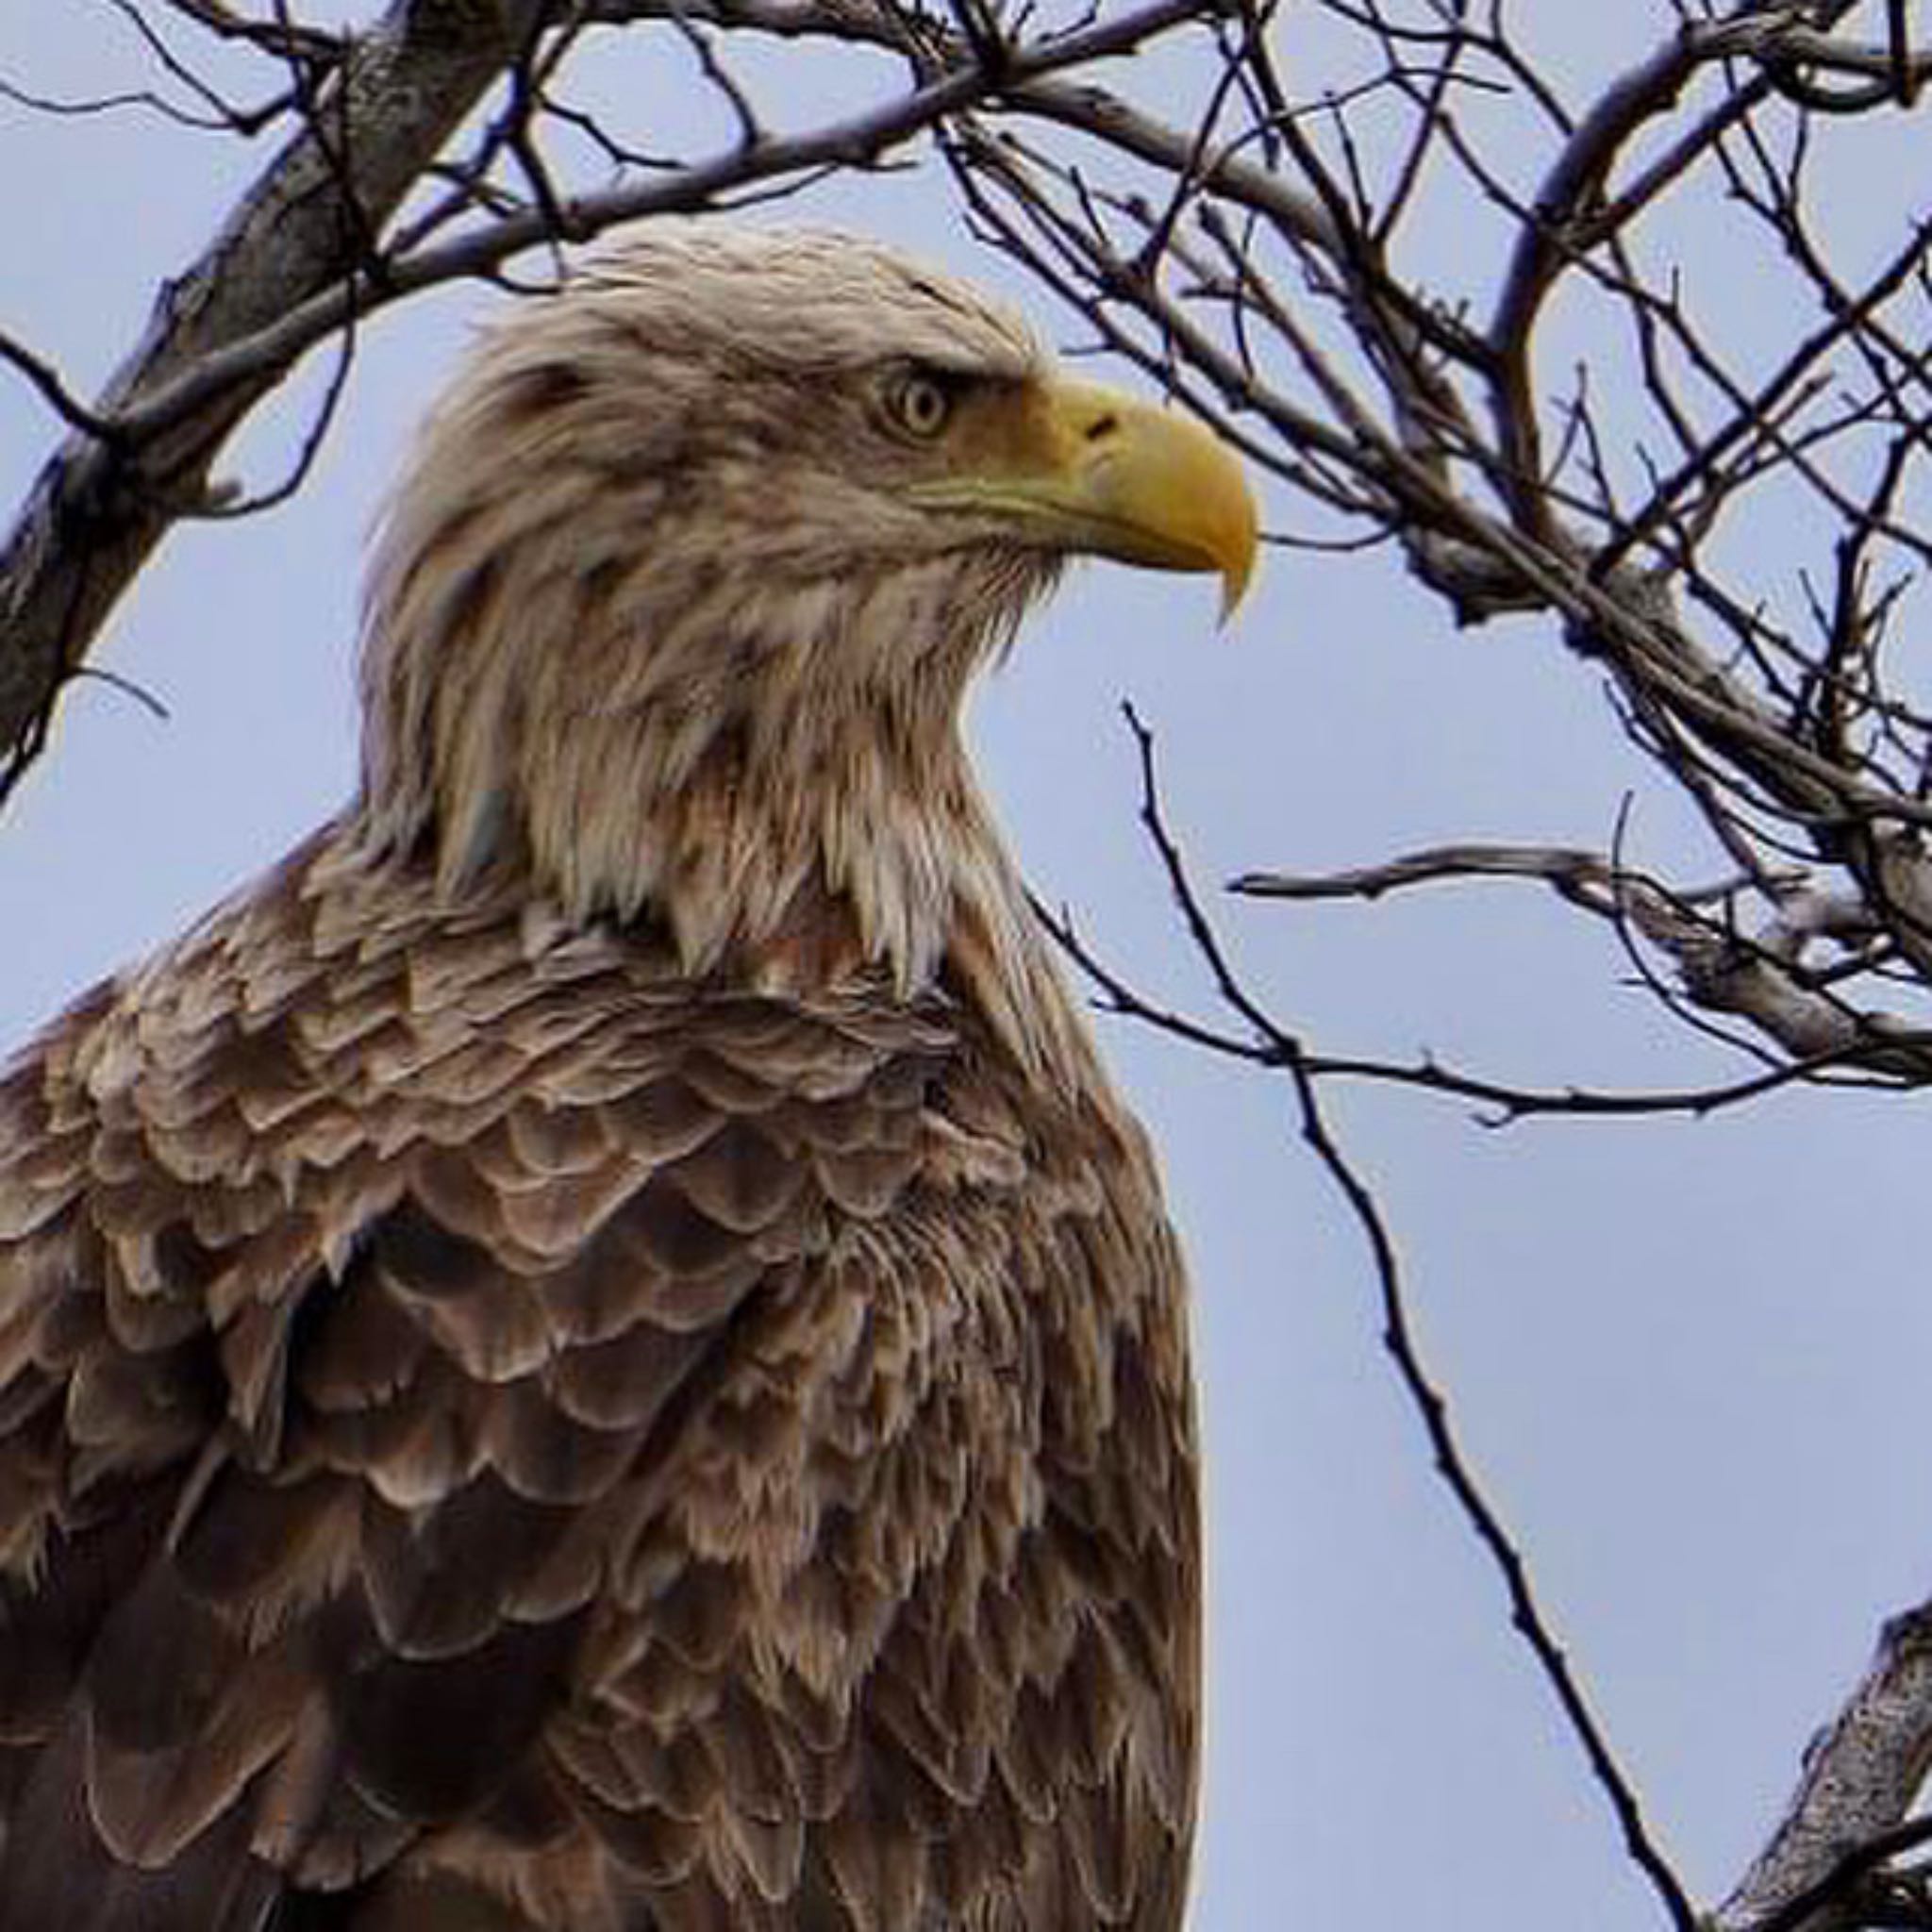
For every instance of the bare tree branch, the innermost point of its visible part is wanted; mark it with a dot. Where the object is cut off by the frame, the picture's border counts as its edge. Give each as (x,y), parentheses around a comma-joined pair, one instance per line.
(1824,1870)
(96,512)
(1425,1395)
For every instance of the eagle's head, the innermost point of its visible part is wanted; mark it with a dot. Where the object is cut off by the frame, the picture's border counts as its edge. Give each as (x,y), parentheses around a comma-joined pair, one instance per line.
(677,603)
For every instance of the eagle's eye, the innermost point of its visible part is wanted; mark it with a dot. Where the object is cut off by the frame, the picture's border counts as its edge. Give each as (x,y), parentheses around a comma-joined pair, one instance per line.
(920,402)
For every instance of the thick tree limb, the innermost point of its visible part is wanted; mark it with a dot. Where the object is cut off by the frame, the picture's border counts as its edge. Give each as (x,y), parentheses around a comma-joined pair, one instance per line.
(1823,1869)
(99,508)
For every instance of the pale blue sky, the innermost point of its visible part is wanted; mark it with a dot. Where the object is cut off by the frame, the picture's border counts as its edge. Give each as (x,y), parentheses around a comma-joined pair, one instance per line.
(1688,1359)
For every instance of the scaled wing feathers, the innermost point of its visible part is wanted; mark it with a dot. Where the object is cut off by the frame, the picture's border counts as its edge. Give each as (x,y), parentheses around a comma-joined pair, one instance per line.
(495,1435)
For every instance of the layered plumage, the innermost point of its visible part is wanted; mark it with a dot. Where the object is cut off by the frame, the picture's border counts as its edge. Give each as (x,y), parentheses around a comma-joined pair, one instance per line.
(596,1354)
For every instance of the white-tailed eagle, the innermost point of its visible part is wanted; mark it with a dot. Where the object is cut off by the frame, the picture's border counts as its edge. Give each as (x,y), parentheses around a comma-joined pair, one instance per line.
(595,1353)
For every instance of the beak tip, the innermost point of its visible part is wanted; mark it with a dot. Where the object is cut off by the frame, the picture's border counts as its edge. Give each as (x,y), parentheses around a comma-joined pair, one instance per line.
(1237,574)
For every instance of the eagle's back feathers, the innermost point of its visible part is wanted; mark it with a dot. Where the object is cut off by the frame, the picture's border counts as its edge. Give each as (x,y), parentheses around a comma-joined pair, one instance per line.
(494,1429)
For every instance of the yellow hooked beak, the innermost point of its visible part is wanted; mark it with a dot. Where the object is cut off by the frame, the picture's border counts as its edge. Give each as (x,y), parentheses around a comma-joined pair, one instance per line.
(1081,467)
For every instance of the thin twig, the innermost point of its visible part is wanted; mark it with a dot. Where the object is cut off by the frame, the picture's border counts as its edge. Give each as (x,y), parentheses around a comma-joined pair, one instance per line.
(1424,1393)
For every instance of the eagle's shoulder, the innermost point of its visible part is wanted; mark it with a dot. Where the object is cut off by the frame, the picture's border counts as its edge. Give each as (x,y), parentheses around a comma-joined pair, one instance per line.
(340,1057)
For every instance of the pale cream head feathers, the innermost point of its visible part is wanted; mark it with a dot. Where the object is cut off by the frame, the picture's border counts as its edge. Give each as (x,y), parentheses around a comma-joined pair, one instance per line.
(678,598)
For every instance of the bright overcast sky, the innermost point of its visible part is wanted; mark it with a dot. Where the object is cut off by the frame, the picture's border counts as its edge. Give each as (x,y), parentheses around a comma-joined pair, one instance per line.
(1689,1360)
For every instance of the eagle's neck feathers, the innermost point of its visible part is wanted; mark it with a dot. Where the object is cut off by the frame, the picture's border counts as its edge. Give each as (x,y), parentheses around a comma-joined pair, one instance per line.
(760,753)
